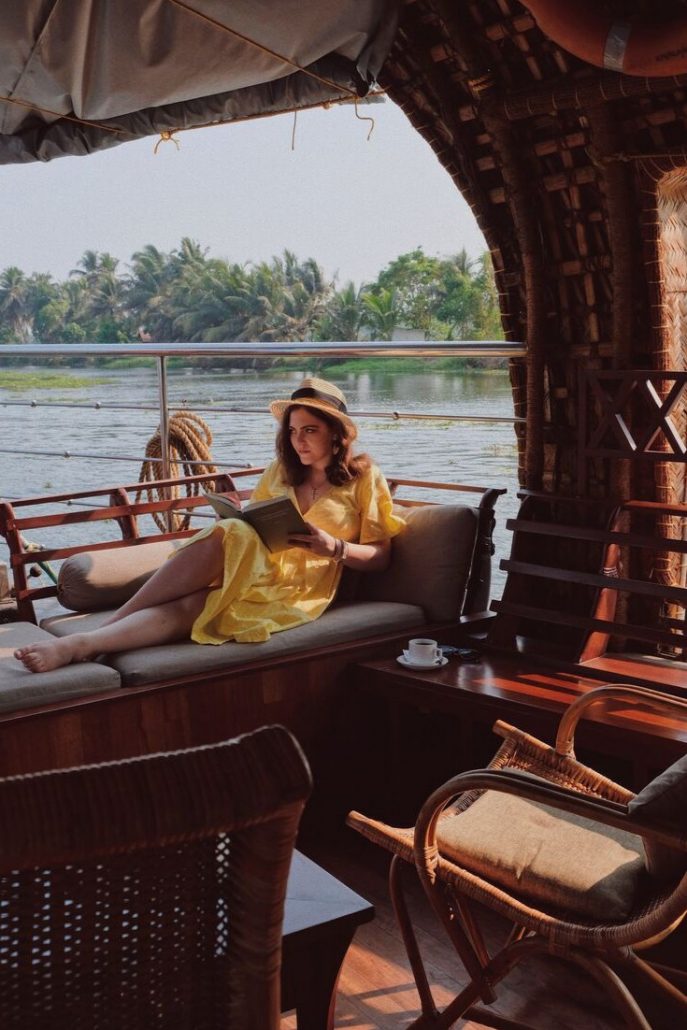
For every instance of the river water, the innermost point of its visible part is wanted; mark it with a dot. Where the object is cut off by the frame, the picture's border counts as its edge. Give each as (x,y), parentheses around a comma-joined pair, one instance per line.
(475,453)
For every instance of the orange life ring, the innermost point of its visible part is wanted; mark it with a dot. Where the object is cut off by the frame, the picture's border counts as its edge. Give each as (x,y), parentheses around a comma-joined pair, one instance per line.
(637,48)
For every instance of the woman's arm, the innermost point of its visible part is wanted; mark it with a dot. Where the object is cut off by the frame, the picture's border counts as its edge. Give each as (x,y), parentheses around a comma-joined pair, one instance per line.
(364,557)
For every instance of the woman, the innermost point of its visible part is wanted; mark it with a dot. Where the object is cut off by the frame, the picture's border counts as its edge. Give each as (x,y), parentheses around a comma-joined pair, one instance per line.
(224,584)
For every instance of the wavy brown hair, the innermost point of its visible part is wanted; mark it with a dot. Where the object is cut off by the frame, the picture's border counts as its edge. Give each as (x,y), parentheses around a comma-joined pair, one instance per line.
(345,465)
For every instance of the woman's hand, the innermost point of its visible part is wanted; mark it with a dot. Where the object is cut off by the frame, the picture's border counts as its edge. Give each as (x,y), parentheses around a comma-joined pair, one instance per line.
(316,541)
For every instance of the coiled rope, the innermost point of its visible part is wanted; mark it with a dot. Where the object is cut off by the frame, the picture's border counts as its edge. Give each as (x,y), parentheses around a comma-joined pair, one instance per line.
(190,439)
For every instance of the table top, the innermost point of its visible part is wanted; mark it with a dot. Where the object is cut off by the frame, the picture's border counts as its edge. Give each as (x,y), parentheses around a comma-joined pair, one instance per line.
(318,904)
(506,684)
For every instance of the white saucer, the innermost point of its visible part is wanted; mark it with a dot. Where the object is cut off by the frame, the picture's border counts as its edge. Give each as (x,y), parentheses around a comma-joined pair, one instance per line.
(438,664)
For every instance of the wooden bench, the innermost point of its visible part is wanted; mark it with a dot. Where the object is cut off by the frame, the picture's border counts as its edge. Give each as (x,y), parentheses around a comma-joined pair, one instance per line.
(295,678)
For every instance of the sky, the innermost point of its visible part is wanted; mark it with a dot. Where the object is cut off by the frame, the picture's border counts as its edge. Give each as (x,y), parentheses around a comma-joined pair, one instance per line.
(242,192)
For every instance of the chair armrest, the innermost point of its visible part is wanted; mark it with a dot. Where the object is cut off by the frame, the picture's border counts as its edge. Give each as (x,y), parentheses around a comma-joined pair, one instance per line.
(666,704)
(532,788)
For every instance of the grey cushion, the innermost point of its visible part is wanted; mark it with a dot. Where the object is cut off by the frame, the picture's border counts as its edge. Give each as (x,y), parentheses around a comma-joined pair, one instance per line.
(20,688)
(431,561)
(342,624)
(548,855)
(98,580)
(664,801)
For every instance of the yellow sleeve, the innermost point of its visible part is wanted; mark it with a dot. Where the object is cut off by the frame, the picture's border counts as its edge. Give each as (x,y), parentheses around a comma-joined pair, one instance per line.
(377,520)
(269,485)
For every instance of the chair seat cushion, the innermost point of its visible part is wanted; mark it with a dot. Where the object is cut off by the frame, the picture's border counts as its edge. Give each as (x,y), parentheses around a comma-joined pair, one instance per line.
(20,688)
(551,856)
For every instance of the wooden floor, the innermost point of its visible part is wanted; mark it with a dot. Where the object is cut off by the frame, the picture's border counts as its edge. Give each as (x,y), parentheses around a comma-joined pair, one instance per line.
(376,988)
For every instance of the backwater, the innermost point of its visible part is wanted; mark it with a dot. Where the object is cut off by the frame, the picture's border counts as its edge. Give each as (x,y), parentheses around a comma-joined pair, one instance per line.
(471,452)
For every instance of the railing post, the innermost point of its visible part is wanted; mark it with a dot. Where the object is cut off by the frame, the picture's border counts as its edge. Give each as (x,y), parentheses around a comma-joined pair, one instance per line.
(164,429)
(164,415)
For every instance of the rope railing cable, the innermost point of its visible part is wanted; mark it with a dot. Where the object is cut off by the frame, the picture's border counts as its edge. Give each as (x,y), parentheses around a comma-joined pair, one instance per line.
(226,463)
(223,409)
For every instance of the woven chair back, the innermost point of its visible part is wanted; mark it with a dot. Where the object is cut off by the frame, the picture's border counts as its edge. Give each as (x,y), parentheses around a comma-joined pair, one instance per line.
(150,892)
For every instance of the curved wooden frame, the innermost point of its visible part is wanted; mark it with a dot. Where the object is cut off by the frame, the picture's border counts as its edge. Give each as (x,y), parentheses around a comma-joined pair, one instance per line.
(526,768)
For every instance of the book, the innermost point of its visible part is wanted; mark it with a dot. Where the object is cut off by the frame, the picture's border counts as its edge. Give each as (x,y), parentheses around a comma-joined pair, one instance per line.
(273,520)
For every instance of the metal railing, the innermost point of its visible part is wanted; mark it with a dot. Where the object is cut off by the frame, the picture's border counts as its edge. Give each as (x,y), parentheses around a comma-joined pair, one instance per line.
(160,352)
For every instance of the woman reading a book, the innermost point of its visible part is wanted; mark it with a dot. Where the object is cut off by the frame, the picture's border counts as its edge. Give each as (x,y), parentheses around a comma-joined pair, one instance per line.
(224,584)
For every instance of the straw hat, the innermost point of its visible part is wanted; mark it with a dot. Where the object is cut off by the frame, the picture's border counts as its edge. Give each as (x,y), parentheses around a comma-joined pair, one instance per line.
(320,395)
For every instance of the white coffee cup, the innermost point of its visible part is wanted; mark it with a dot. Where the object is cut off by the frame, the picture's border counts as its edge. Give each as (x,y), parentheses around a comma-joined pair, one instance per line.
(423,651)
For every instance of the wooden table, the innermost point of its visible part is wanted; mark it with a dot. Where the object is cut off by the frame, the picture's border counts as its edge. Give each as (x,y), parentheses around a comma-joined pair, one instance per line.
(321,916)
(528,695)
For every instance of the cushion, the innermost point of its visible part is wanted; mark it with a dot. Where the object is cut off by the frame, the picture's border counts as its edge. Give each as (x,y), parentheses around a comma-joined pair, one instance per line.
(342,624)
(550,856)
(20,688)
(430,563)
(98,580)
(664,801)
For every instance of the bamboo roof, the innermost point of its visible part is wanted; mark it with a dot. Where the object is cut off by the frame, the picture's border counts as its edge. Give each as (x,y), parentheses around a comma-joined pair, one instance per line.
(576,176)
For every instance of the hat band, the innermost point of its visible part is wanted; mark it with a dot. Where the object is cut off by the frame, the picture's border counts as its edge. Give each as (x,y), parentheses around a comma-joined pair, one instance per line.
(318,395)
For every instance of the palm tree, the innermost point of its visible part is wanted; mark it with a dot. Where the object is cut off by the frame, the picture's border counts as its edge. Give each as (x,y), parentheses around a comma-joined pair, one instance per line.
(14,305)
(343,316)
(41,293)
(208,302)
(382,314)
(463,263)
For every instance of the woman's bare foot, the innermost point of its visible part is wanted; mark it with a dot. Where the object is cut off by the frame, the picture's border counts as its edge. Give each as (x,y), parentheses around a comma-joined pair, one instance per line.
(51,655)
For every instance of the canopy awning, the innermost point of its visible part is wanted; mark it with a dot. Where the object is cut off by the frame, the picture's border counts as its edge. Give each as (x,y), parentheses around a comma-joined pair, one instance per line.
(81,75)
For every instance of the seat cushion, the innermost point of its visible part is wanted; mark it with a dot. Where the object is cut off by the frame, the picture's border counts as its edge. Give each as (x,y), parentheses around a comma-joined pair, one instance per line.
(99,580)
(664,801)
(547,855)
(20,688)
(342,624)
(430,561)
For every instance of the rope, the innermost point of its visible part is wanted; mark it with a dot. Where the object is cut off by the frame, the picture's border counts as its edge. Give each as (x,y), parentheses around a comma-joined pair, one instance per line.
(64,117)
(190,439)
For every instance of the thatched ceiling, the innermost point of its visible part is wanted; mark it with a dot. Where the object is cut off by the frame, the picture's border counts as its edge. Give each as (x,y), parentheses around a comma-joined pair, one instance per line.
(576,177)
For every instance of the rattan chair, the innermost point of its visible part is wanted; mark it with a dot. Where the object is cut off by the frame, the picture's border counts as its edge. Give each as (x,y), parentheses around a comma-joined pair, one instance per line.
(150,892)
(461,842)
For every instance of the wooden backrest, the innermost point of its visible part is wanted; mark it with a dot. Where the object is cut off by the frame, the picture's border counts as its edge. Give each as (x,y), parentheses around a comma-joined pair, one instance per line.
(150,892)
(582,573)
(25,518)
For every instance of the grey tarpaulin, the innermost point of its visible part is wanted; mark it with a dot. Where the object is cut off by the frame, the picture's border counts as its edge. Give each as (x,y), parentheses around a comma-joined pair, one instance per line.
(144,67)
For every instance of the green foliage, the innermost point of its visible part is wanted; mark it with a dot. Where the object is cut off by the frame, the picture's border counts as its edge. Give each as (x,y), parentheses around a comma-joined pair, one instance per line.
(185,296)
(21,381)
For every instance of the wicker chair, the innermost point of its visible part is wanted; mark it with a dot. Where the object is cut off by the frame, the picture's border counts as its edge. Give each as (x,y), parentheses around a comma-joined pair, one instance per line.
(474,842)
(150,892)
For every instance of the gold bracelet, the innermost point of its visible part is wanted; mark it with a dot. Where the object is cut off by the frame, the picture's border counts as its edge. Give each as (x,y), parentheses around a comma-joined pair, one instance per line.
(340,551)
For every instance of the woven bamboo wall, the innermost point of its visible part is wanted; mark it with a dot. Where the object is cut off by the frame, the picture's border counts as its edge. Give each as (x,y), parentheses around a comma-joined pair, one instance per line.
(577,178)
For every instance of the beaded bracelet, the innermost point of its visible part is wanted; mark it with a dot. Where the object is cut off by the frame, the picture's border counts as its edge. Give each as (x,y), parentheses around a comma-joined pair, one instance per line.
(340,551)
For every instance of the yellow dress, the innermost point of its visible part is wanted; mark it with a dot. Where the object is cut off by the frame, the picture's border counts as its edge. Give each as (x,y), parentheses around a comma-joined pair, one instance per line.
(262,593)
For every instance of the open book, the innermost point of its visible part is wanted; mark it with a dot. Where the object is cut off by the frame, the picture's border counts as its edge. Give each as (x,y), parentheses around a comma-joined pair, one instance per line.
(272,520)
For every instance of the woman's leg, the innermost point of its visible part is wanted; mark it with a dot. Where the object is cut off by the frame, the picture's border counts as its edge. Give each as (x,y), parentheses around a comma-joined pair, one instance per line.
(191,569)
(144,628)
